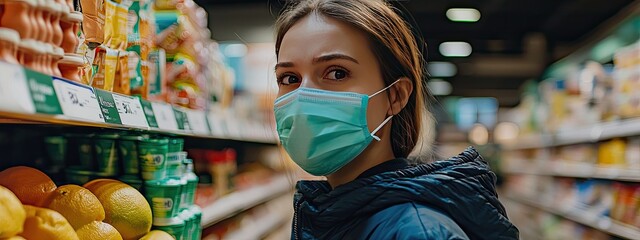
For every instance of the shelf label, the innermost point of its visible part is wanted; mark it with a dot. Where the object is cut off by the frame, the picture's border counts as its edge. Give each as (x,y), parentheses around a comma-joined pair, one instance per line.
(108,105)
(198,121)
(182,120)
(14,90)
(148,112)
(165,116)
(217,125)
(130,110)
(77,101)
(43,94)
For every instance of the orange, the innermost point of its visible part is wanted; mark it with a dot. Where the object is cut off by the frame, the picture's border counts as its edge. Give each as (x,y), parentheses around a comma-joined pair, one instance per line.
(125,208)
(98,230)
(157,235)
(77,204)
(12,214)
(46,224)
(29,184)
(98,182)
(14,238)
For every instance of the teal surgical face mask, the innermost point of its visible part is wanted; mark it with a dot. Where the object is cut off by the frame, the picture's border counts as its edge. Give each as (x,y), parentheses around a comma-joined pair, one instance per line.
(324,130)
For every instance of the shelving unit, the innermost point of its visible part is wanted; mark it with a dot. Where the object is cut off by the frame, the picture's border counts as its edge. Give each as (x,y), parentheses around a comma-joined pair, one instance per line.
(259,231)
(604,224)
(595,133)
(580,171)
(240,201)
(34,98)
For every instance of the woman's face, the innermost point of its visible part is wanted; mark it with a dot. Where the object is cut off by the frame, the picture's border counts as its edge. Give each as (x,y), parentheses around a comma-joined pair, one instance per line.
(324,53)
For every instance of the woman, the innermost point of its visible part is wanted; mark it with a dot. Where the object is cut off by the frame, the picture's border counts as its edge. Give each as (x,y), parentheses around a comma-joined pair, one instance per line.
(350,107)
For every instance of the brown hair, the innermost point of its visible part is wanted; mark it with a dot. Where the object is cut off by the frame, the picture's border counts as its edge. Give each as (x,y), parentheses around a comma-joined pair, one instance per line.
(392,42)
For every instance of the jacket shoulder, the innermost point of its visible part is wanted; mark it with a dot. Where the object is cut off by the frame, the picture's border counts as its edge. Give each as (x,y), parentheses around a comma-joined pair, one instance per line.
(412,221)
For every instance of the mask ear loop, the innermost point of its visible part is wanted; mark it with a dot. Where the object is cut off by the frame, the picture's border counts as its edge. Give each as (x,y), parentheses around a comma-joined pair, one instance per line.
(388,118)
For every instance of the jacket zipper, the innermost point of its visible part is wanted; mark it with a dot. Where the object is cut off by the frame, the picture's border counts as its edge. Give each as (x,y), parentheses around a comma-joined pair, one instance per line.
(295,220)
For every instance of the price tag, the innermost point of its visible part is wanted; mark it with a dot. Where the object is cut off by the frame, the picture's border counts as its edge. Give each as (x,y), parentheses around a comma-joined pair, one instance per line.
(165,116)
(149,114)
(182,120)
(108,105)
(43,94)
(130,110)
(77,100)
(198,121)
(14,91)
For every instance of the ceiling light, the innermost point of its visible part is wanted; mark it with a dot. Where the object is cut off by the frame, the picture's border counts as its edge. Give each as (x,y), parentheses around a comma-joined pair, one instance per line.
(455,49)
(463,14)
(441,69)
(439,87)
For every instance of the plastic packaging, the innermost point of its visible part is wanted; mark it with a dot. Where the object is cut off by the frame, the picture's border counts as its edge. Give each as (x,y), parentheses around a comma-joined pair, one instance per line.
(29,54)
(70,25)
(57,54)
(9,40)
(121,77)
(93,22)
(17,15)
(70,67)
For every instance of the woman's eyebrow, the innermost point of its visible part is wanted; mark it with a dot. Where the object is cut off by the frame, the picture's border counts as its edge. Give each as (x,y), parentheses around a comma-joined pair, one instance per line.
(283,64)
(334,56)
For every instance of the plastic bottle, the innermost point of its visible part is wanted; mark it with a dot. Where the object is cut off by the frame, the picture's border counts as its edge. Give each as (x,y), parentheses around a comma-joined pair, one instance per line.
(30,54)
(17,16)
(9,40)
(59,11)
(46,58)
(56,55)
(70,25)
(70,67)
(42,29)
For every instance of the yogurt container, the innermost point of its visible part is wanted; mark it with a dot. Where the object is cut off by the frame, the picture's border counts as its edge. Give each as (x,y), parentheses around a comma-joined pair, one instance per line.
(189,219)
(163,197)
(197,221)
(106,153)
(152,156)
(128,149)
(174,226)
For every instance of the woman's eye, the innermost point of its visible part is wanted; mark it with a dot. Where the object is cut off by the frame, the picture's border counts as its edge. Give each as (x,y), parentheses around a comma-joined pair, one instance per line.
(337,74)
(289,79)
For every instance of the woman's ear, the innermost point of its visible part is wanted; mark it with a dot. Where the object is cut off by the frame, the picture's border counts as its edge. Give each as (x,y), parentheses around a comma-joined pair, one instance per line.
(399,95)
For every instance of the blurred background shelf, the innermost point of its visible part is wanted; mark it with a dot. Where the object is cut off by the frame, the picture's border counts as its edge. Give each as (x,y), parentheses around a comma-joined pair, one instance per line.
(601,223)
(239,201)
(260,228)
(580,171)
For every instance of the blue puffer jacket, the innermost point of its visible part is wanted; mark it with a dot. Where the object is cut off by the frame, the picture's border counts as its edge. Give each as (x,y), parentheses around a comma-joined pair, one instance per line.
(452,199)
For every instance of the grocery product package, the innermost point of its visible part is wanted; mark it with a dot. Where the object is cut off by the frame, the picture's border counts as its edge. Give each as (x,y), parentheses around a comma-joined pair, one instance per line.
(121,78)
(93,12)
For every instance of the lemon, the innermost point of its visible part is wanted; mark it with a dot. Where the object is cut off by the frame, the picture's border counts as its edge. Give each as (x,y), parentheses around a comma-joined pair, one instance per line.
(12,214)
(98,230)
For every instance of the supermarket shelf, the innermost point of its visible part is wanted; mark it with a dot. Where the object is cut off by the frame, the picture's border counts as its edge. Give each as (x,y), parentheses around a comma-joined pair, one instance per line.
(240,201)
(36,118)
(595,133)
(261,229)
(580,171)
(603,224)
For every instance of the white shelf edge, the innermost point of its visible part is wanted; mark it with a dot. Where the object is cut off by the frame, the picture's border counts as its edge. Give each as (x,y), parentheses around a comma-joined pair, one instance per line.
(581,171)
(586,134)
(236,202)
(263,226)
(604,224)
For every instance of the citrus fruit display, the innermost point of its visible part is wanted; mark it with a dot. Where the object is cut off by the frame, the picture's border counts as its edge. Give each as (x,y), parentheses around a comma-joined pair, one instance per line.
(30,185)
(46,224)
(125,208)
(14,238)
(98,230)
(12,214)
(157,235)
(77,204)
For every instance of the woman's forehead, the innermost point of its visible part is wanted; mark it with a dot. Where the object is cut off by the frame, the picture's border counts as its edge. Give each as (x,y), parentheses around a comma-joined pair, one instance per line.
(316,35)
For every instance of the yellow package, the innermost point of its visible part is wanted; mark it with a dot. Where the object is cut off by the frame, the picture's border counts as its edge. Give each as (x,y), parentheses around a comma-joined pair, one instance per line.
(121,27)
(110,24)
(121,80)
(106,70)
(97,79)
(93,12)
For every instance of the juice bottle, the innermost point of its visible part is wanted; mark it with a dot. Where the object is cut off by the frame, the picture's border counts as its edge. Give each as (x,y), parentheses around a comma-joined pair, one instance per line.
(17,16)
(9,40)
